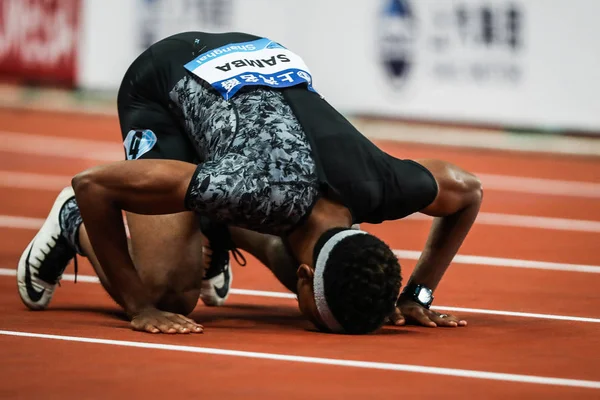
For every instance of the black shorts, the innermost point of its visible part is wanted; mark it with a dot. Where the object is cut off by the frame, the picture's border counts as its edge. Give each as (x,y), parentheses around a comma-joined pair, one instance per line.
(150,125)
(339,160)
(144,113)
(255,167)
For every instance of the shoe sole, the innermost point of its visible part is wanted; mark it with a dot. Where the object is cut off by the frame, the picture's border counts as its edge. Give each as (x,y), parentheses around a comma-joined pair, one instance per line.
(43,303)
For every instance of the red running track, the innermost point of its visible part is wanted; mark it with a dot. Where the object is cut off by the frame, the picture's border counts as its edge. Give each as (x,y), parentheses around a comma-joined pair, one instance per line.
(523,346)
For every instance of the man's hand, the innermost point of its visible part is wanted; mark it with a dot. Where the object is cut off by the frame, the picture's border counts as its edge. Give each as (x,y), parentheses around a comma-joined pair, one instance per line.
(155,321)
(408,311)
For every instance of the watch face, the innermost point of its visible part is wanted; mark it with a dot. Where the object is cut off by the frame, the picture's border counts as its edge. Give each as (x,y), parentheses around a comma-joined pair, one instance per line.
(424,296)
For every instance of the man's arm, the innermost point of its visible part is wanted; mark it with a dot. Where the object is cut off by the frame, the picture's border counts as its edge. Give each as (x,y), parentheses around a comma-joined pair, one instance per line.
(271,251)
(455,208)
(141,187)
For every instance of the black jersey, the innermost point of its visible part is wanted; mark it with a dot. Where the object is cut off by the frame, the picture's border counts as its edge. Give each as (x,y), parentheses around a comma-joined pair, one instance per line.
(192,122)
(373,184)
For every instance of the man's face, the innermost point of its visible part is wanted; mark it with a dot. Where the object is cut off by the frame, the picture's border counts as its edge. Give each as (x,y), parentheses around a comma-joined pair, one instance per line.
(306,297)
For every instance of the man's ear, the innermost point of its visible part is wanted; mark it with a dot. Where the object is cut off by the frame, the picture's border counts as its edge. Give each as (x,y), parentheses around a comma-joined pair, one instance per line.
(305,272)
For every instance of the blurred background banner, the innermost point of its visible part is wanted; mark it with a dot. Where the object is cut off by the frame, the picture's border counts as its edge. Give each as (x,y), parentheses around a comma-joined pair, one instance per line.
(39,40)
(526,64)
(162,18)
(516,63)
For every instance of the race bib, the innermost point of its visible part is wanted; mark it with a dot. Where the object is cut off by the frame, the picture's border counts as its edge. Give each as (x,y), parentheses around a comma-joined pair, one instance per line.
(260,62)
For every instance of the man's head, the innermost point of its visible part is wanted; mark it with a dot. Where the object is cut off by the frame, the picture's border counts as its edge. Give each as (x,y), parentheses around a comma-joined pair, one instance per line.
(354,285)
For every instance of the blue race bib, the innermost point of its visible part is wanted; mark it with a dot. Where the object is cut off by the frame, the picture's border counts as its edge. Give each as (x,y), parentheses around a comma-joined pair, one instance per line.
(260,62)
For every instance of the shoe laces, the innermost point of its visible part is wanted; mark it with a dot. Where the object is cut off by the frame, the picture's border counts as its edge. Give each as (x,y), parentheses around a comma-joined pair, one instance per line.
(219,258)
(237,255)
(221,244)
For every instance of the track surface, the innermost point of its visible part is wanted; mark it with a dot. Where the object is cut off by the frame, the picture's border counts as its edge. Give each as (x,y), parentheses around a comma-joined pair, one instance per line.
(37,156)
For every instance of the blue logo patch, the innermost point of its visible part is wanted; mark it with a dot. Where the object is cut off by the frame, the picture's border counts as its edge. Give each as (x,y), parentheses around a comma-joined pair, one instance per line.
(138,143)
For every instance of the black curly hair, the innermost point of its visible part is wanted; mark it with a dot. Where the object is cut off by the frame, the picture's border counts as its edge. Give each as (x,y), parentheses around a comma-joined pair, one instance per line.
(361,281)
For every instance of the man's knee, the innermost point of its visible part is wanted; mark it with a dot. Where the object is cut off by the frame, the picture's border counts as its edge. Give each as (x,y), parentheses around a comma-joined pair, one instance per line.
(178,302)
(174,289)
(167,253)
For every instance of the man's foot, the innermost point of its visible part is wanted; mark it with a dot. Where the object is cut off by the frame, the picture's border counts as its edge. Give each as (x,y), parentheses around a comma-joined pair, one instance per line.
(216,283)
(45,259)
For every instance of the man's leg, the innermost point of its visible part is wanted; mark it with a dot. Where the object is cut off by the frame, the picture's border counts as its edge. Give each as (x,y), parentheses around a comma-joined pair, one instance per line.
(271,251)
(166,249)
(167,253)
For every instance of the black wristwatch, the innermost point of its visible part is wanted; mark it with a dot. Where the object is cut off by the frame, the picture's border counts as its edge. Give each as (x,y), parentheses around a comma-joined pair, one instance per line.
(419,294)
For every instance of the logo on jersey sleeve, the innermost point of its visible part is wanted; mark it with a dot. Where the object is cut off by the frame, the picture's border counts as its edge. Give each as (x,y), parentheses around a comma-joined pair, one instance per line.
(139,142)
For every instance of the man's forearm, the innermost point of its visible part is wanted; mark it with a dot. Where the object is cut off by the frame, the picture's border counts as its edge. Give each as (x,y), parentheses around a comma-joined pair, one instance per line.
(106,232)
(446,236)
(456,206)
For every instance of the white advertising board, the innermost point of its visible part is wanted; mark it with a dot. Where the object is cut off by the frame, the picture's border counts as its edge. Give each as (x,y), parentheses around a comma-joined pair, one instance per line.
(523,63)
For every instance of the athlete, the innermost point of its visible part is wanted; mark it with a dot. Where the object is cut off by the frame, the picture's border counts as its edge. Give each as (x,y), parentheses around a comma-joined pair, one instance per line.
(229,145)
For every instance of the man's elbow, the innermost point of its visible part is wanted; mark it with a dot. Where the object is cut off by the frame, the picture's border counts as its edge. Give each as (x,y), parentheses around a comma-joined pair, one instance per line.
(475,189)
(466,188)
(86,183)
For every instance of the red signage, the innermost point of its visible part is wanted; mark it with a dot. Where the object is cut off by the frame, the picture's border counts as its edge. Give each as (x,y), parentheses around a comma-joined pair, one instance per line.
(39,40)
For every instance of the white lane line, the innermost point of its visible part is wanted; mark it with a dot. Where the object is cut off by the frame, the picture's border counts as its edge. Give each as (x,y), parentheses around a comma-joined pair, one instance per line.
(26,180)
(494,182)
(506,262)
(540,186)
(461,373)
(104,151)
(527,221)
(35,223)
(261,293)
(520,221)
(86,149)
(57,183)
(475,138)
(15,222)
(516,314)
(291,296)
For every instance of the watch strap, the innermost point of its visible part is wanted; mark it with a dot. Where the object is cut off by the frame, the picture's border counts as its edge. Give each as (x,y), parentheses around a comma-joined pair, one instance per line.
(411,292)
